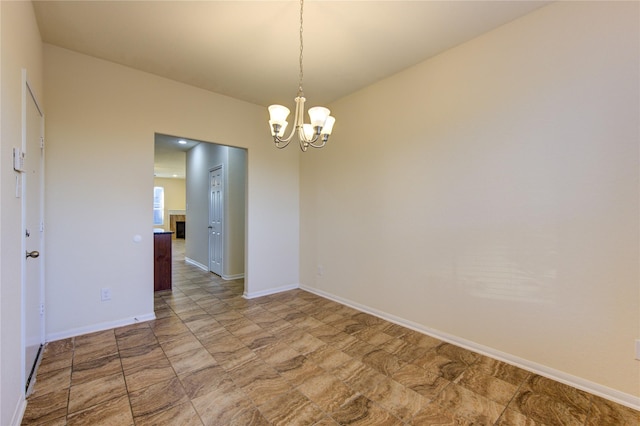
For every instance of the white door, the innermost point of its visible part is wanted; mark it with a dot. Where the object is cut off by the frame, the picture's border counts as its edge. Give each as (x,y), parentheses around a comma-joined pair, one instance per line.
(216,197)
(32,231)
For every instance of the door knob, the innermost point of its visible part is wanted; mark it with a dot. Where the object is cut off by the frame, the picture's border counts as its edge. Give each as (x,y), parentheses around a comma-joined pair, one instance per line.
(33,254)
(210,227)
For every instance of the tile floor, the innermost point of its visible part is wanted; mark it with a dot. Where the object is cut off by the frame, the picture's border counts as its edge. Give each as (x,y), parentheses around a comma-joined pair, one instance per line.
(214,358)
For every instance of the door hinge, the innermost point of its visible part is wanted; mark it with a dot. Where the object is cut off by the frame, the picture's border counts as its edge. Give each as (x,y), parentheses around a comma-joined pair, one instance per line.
(41,226)
(41,142)
(41,309)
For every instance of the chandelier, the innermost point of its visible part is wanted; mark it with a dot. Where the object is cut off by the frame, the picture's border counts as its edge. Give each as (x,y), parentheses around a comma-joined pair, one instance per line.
(313,135)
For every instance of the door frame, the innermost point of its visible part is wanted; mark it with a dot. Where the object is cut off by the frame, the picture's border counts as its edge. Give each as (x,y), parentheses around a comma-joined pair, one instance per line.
(27,91)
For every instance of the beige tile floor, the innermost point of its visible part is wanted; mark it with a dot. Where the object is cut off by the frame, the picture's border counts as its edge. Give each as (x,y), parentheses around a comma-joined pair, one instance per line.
(214,358)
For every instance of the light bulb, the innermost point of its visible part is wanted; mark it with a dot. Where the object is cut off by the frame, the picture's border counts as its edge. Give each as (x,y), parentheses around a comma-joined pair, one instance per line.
(308,131)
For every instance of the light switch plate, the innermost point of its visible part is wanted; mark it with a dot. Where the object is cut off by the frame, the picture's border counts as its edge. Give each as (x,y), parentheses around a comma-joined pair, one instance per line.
(105,294)
(18,160)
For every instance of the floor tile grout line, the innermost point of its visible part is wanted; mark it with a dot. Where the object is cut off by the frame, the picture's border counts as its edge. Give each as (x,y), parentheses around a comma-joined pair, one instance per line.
(124,377)
(506,407)
(178,377)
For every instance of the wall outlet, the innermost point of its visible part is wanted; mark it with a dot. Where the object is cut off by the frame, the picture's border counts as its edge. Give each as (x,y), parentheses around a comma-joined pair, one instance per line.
(105,294)
(638,349)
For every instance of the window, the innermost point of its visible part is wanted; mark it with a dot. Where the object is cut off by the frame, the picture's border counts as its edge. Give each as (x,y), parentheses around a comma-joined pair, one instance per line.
(158,205)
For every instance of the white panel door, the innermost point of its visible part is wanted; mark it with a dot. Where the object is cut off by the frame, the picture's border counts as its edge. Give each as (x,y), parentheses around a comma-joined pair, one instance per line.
(216,206)
(33,227)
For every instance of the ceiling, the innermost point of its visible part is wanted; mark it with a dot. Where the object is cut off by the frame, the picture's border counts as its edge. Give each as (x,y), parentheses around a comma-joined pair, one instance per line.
(249,50)
(170,156)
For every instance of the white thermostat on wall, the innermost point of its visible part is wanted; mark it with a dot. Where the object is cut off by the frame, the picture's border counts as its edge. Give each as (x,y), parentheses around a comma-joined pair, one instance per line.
(18,160)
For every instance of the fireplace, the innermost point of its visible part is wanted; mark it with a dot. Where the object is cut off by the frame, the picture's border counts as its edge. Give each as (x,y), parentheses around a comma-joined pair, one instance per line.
(180,229)
(177,224)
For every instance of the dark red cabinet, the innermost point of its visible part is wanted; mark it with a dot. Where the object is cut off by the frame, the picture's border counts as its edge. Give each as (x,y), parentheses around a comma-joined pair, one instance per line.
(162,261)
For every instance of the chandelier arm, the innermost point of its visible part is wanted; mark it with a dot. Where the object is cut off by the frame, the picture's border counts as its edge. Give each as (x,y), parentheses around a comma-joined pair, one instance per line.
(288,138)
(302,136)
(323,142)
(281,143)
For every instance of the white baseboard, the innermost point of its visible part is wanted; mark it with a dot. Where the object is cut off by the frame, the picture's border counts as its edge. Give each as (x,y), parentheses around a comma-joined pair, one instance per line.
(195,263)
(232,277)
(206,268)
(269,291)
(52,337)
(616,396)
(18,414)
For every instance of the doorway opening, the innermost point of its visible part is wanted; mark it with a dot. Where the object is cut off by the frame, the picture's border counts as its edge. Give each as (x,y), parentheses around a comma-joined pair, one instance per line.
(183,166)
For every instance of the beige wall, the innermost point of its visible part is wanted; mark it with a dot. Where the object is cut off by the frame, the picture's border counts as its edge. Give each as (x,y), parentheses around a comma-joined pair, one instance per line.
(490,196)
(100,177)
(175,197)
(20,49)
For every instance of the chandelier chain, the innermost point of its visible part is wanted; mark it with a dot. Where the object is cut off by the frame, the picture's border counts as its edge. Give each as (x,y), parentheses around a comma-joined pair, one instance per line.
(301,75)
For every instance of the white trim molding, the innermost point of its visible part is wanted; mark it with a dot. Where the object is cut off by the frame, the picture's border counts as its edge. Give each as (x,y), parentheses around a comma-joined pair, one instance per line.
(542,370)
(269,291)
(196,263)
(18,414)
(232,277)
(100,327)
(205,268)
